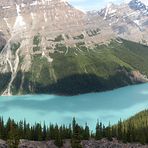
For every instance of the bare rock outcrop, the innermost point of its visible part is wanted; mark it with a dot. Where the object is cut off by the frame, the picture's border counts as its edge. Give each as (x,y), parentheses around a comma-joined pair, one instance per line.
(110,144)
(104,143)
(3,144)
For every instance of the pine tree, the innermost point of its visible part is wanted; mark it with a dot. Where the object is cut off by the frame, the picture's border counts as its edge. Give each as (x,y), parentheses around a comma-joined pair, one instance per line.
(124,138)
(51,132)
(109,132)
(98,131)
(2,129)
(38,132)
(133,130)
(58,138)
(25,129)
(120,130)
(44,132)
(76,138)
(20,129)
(13,134)
(86,133)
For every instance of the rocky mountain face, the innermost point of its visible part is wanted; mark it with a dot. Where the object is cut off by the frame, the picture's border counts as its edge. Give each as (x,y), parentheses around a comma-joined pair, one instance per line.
(48,45)
(138,5)
(129,20)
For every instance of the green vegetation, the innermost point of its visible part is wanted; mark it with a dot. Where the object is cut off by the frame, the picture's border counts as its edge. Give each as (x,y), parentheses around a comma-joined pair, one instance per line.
(13,131)
(59,38)
(80,83)
(80,69)
(4,81)
(67,36)
(16,84)
(80,44)
(132,130)
(93,32)
(133,54)
(79,37)
(36,48)
(1,48)
(36,42)
(60,47)
(14,47)
(40,72)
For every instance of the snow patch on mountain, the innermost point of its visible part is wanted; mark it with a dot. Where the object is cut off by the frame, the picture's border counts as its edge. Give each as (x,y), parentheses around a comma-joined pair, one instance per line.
(138,5)
(19,20)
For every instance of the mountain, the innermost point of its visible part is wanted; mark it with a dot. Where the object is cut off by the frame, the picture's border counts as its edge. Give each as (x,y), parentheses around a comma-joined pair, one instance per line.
(138,5)
(128,20)
(48,46)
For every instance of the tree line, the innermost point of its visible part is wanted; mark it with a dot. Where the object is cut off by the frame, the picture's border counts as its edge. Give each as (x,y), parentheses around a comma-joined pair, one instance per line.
(132,130)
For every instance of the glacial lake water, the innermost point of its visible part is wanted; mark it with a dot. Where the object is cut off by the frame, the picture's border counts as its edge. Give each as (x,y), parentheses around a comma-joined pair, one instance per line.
(105,106)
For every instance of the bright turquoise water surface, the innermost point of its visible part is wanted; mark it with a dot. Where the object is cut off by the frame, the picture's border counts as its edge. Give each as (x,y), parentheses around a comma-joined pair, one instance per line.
(105,106)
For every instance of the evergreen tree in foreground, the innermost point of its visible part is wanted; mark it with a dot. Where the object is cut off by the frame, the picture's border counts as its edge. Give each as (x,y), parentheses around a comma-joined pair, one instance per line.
(132,130)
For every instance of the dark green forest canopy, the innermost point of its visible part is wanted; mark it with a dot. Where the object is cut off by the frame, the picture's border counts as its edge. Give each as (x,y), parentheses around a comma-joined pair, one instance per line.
(132,130)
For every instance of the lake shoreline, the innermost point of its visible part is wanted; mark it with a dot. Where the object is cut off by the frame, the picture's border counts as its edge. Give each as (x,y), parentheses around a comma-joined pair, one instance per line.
(107,106)
(62,95)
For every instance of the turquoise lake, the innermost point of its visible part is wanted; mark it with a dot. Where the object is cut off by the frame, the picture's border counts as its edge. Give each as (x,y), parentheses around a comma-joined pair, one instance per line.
(105,106)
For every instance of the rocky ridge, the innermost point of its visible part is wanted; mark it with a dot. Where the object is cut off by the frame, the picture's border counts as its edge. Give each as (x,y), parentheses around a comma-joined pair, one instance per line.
(128,20)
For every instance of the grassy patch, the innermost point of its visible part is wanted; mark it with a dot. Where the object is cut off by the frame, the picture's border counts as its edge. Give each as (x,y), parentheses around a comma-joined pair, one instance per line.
(60,47)
(37,40)
(14,47)
(93,32)
(59,38)
(79,37)
(36,48)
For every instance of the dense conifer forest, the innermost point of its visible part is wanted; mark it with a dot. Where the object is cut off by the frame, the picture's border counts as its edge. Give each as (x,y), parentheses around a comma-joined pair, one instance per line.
(132,130)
